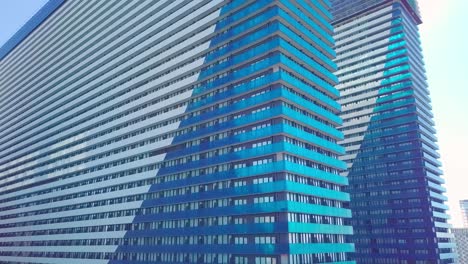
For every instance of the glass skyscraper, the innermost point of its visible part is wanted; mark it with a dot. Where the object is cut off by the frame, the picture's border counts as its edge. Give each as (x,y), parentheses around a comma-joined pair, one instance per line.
(464,212)
(461,239)
(397,197)
(174,131)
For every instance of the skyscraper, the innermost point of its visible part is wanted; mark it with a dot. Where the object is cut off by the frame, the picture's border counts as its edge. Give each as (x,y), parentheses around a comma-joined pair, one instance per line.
(172,132)
(397,197)
(464,211)
(461,239)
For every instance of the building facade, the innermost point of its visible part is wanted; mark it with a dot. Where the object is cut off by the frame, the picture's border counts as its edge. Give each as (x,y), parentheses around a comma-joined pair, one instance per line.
(464,211)
(397,197)
(461,239)
(172,132)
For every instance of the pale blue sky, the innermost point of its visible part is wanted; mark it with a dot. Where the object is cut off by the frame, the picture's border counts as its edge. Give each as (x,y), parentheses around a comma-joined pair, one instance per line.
(14,13)
(445,46)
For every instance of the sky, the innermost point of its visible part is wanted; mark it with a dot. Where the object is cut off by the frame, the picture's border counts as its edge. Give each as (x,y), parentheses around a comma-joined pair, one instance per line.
(14,13)
(445,47)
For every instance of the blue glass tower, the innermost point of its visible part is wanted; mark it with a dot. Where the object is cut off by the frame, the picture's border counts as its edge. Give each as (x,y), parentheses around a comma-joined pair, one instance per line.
(397,197)
(172,132)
